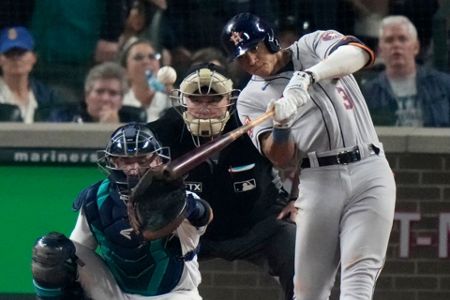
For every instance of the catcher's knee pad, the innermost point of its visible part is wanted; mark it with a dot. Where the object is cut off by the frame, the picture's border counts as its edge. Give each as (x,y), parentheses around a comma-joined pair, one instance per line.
(54,265)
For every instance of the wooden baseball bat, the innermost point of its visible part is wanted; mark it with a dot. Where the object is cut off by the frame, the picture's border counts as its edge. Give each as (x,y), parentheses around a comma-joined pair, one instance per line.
(183,164)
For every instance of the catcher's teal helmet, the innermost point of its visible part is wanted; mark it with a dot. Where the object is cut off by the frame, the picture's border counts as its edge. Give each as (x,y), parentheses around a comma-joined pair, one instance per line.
(133,140)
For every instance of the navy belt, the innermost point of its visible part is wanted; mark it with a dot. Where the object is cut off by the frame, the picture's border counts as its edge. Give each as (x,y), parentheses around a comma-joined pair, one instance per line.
(342,158)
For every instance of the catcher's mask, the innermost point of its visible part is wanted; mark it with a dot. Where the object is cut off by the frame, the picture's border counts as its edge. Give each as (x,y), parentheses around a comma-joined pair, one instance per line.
(132,150)
(205,100)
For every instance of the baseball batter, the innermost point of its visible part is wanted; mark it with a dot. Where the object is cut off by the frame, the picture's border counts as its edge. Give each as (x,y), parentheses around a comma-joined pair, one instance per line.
(347,190)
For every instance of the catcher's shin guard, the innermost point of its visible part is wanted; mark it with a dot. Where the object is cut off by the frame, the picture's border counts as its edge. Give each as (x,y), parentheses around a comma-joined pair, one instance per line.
(74,292)
(54,268)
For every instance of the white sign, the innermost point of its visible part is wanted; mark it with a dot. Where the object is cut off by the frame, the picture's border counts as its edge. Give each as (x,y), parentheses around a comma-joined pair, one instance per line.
(405,220)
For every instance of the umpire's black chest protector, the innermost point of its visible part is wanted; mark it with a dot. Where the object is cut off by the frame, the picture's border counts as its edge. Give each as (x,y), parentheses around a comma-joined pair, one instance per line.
(237,183)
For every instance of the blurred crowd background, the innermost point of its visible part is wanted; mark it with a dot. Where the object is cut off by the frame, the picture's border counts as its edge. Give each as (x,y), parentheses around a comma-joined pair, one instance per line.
(71,37)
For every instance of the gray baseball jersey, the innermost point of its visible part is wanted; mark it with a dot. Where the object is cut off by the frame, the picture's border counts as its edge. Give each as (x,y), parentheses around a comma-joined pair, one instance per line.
(337,116)
(346,210)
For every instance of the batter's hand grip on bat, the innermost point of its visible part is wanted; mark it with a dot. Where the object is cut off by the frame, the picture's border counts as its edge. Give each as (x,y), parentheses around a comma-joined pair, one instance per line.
(192,159)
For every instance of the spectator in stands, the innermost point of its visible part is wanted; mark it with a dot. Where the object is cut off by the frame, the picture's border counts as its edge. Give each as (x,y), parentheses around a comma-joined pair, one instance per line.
(368,16)
(440,57)
(105,86)
(290,29)
(144,22)
(135,23)
(73,36)
(316,15)
(141,61)
(216,56)
(209,55)
(421,13)
(197,24)
(22,98)
(406,94)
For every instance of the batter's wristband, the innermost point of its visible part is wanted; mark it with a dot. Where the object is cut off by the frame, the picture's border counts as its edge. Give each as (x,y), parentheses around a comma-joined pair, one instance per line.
(281,135)
(312,79)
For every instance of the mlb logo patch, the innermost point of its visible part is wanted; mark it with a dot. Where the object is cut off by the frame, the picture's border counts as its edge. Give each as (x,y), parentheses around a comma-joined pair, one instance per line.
(244,186)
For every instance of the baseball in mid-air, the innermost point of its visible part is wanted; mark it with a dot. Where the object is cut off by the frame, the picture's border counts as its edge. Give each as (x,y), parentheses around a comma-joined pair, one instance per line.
(167,75)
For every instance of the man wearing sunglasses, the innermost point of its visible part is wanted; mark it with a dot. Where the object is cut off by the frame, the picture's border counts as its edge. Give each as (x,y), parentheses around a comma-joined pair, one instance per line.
(142,62)
(22,98)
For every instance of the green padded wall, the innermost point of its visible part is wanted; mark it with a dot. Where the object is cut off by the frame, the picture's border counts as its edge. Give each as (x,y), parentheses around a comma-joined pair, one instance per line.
(35,200)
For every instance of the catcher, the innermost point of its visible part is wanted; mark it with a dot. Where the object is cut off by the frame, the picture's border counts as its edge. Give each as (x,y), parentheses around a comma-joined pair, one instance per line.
(107,255)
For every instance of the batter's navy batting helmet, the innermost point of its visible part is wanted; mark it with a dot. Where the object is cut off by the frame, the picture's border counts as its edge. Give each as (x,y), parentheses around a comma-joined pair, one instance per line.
(244,31)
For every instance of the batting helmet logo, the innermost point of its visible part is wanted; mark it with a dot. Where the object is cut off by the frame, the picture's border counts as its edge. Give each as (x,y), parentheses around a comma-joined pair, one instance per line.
(236,37)
(244,31)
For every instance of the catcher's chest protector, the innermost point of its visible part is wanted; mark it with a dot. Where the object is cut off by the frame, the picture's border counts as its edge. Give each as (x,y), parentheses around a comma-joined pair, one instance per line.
(147,268)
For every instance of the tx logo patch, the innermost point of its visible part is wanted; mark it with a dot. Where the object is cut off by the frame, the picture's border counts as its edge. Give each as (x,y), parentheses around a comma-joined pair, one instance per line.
(244,186)
(194,186)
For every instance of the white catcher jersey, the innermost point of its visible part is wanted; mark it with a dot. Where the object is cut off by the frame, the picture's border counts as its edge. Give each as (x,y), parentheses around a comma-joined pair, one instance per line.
(337,115)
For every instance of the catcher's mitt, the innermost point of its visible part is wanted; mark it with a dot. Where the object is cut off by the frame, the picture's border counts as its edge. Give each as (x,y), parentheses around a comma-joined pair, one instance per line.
(157,206)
